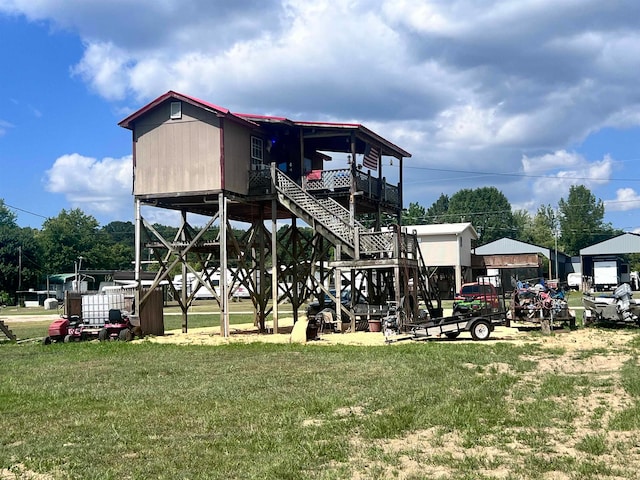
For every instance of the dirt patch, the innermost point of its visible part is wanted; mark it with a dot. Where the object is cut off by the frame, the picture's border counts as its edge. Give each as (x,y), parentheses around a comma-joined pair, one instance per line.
(49,317)
(20,472)
(597,354)
(570,342)
(247,333)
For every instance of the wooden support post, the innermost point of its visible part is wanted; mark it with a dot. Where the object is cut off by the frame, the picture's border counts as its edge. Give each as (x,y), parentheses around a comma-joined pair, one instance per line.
(262,272)
(355,294)
(224,288)
(138,255)
(295,293)
(185,283)
(545,326)
(274,263)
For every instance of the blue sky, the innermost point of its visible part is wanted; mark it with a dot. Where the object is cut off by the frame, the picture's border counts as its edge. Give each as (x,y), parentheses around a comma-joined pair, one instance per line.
(529,96)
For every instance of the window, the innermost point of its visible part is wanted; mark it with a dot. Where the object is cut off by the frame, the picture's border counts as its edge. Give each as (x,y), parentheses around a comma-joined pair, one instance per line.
(176,110)
(256,149)
(257,152)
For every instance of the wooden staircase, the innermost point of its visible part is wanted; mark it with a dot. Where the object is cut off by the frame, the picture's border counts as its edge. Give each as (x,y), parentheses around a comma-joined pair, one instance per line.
(331,219)
(10,335)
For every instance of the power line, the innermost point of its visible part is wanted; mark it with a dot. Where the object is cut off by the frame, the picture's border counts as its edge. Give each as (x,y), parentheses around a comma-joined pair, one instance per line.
(25,211)
(523,175)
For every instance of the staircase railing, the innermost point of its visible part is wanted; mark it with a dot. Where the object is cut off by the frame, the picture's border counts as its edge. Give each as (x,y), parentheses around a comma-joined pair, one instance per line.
(317,211)
(335,219)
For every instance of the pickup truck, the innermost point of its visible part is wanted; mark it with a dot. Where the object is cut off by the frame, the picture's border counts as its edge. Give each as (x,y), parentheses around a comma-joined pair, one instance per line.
(475,296)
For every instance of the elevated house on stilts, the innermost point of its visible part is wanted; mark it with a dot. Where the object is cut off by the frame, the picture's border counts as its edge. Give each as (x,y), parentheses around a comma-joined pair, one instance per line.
(195,157)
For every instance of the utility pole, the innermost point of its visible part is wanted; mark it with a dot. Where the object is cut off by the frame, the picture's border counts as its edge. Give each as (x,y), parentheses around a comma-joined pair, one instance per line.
(556,234)
(20,267)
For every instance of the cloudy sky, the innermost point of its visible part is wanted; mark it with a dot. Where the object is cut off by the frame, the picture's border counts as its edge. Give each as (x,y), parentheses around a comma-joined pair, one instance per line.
(529,96)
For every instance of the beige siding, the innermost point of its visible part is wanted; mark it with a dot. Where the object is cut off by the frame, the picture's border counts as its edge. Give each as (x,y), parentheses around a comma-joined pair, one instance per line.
(181,155)
(465,249)
(439,250)
(237,157)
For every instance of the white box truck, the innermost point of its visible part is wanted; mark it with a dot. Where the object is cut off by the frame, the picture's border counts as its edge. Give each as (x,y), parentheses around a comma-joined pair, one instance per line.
(605,275)
(574,281)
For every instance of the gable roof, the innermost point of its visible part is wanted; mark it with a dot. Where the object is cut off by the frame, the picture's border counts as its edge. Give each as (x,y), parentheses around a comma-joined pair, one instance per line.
(442,229)
(624,243)
(217,110)
(509,246)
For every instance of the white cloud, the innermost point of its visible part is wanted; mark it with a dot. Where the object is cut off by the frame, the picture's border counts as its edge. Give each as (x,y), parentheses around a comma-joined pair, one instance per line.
(626,199)
(103,66)
(549,161)
(99,187)
(550,177)
(499,87)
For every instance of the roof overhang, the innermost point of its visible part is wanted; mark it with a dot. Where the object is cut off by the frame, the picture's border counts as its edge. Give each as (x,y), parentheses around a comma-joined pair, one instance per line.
(330,136)
(171,95)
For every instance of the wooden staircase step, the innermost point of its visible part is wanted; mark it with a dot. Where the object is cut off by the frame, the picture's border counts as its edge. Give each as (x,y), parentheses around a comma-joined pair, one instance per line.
(334,219)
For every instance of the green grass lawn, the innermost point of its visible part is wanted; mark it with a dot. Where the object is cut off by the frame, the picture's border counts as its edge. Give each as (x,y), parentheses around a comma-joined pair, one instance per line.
(260,411)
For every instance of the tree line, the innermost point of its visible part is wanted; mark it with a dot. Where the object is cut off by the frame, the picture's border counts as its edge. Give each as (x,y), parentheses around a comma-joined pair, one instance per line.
(577,222)
(28,255)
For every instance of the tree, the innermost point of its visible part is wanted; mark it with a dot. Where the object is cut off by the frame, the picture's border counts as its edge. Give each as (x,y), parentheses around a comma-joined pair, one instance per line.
(414,215)
(487,209)
(19,263)
(581,220)
(523,225)
(65,238)
(116,246)
(120,232)
(545,227)
(437,212)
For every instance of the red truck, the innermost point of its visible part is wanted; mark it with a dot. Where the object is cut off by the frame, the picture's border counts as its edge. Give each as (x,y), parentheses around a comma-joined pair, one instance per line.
(477,296)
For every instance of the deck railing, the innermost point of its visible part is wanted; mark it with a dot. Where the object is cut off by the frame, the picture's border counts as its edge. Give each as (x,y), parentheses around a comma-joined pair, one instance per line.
(332,181)
(259,182)
(340,180)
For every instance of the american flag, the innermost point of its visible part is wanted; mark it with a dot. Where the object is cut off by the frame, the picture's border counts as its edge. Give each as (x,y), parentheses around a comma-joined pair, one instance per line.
(371,156)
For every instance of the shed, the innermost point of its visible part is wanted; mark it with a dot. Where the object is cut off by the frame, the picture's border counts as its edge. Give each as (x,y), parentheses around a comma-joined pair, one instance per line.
(447,248)
(622,244)
(611,249)
(507,253)
(63,282)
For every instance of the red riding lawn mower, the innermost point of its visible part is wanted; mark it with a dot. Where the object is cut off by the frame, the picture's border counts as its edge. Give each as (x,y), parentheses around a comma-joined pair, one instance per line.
(65,330)
(118,326)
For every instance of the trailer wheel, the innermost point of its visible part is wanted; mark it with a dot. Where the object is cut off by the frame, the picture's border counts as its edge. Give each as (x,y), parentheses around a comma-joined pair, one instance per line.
(103,335)
(452,334)
(480,330)
(125,335)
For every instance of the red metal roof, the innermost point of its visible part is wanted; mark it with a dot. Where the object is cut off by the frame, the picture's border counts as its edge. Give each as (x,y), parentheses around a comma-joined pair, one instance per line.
(126,123)
(263,117)
(253,120)
(329,125)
